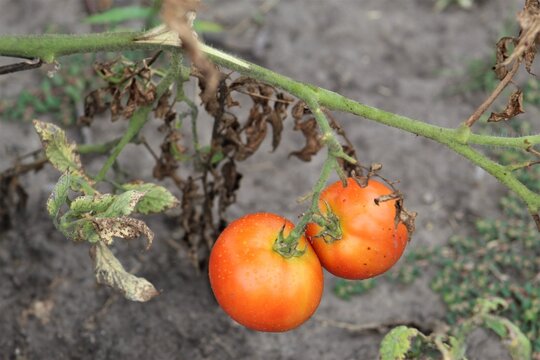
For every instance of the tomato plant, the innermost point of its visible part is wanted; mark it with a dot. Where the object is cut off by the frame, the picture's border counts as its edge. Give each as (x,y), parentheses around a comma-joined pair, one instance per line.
(360,239)
(258,287)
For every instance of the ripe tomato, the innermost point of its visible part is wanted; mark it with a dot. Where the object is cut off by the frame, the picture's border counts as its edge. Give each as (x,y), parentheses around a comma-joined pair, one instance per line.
(258,287)
(369,242)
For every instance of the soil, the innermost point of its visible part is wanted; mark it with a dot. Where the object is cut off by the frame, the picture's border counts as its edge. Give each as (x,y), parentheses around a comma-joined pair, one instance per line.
(399,56)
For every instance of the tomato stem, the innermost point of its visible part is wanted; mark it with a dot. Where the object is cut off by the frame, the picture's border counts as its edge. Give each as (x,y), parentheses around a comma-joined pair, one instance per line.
(50,47)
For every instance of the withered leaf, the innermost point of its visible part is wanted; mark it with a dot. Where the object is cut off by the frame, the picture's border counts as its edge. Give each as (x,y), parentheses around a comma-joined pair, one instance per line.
(513,107)
(255,131)
(502,55)
(313,143)
(122,227)
(94,104)
(109,271)
(529,21)
(299,110)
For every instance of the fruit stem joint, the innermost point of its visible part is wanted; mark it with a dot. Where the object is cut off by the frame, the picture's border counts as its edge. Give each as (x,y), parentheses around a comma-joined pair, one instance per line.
(288,246)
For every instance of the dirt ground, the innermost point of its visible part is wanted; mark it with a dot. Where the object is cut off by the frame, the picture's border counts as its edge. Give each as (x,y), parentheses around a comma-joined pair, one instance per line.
(396,55)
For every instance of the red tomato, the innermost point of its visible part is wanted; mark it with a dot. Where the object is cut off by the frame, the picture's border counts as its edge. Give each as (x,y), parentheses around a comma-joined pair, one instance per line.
(370,243)
(258,287)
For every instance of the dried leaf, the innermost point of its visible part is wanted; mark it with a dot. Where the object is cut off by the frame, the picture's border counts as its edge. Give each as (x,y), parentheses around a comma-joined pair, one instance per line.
(156,198)
(122,227)
(110,272)
(529,20)
(502,55)
(513,107)
(313,143)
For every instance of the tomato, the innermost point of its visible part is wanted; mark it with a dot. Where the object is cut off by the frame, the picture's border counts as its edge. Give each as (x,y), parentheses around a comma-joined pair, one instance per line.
(368,242)
(258,287)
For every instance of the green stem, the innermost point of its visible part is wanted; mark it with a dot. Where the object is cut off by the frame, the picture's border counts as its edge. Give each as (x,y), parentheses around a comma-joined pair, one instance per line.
(49,47)
(288,246)
(140,116)
(97,148)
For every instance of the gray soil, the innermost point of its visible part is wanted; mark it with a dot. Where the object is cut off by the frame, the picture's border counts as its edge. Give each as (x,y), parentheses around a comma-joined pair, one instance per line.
(397,55)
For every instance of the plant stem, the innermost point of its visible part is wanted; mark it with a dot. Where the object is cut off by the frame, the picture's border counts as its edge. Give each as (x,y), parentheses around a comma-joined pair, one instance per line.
(97,148)
(140,116)
(494,95)
(288,247)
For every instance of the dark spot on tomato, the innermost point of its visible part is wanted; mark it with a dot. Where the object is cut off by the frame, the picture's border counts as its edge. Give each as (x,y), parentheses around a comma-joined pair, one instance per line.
(365,264)
(369,248)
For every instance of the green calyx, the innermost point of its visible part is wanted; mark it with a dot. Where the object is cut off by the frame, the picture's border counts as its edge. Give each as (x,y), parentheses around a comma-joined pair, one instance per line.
(288,246)
(331,227)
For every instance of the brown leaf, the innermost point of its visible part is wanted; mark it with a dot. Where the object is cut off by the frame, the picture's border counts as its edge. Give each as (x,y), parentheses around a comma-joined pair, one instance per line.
(122,227)
(313,143)
(231,183)
(502,55)
(513,107)
(94,104)
(299,110)
(529,20)
(255,131)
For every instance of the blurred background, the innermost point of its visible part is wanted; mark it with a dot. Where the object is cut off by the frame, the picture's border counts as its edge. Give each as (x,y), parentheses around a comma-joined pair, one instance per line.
(426,59)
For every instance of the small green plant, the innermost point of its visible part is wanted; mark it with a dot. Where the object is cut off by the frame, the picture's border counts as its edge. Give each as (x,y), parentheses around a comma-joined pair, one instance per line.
(405,342)
(58,95)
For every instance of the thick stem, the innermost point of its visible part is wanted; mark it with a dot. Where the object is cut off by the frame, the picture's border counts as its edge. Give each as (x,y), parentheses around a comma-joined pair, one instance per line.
(51,46)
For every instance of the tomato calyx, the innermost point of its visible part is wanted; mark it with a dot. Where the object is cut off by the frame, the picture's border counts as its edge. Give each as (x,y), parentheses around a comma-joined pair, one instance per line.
(331,227)
(287,246)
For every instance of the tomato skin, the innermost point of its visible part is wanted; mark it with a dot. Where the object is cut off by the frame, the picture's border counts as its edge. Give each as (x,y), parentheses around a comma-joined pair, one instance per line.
(258,287)
(370,243)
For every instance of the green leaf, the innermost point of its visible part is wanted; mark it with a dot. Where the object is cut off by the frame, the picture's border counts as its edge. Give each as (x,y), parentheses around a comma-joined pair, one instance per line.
(93,204)
(120,14)
(202,26)
(496,326)
(123,204)
(79,229)
(217,157)
(59,151)
(514,340)
(397,343)
(109,271)
(59,196)
(487,305)
(156,198)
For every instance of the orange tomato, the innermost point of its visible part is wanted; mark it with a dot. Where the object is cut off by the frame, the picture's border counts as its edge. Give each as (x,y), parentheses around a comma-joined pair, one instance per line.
(370,242)
(258,287)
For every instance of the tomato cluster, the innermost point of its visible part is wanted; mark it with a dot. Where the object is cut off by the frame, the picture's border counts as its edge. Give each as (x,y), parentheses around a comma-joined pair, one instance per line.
(354,238)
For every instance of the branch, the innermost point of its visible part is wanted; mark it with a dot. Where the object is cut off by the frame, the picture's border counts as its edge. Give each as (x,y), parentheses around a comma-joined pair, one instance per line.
(20,66)
(49,47)
(494,95)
